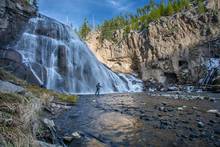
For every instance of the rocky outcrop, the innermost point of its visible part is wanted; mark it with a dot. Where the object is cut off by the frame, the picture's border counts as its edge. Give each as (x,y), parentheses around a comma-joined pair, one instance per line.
(171,49)
(13,16)
(120,55)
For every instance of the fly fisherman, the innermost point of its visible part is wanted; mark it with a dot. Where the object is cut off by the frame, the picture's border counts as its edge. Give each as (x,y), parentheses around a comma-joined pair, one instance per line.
(98,86)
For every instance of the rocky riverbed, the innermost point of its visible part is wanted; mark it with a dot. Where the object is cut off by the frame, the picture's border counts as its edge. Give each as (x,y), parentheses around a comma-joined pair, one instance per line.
(139,119)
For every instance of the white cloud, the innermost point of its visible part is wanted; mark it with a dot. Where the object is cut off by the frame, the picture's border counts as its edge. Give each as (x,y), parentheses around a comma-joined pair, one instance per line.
(114,2)
(120,5)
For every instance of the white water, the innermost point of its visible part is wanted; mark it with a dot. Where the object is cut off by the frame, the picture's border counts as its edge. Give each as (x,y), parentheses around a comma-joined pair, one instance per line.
(71,66)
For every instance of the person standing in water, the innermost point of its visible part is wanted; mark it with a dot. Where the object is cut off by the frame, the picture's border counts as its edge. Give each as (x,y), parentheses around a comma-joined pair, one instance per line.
(98,86)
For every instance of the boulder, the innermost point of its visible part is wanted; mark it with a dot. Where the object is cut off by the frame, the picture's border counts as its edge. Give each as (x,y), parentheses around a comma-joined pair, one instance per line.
(10,54)
(6,87)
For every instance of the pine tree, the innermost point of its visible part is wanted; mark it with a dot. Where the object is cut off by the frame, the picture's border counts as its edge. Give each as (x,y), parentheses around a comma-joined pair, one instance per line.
(169,10)
(162,8)
(84,29)
(201,7)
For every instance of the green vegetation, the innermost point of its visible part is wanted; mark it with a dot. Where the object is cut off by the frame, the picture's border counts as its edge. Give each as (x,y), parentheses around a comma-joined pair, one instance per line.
(48,94)
(6,76)
(18,109)
(84,29)
(142,18)
(201,6)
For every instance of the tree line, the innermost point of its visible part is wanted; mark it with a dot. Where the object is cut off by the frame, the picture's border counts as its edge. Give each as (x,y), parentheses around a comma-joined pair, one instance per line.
(141,19)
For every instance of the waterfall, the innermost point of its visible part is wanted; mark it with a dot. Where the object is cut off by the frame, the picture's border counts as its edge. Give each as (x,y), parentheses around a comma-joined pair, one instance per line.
(61,61)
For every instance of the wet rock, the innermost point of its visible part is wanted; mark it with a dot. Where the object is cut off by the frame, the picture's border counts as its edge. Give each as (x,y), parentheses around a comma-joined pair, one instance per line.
(161,108)
(173,88)
(214,111)
(49,123)
(192,136)
(212,100)
(44,144)
(200,124)
(195,108)
(164,103)
(212,121)
(217,131)
(68,138)
(76,135)
(180,109)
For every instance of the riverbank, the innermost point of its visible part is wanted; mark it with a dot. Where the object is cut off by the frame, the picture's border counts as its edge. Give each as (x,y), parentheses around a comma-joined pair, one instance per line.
(21,105)
(139,119)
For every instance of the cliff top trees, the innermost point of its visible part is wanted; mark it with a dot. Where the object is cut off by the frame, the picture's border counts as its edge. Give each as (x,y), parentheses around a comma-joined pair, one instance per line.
(84,29)
(148,13)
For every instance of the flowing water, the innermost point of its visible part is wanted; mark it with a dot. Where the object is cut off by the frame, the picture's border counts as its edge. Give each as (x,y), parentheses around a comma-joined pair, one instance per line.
(139,120)
(67,62)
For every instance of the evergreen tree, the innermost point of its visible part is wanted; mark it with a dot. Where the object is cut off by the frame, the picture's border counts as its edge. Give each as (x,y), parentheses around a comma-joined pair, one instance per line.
(201,7)
(84,29)
(162,8)
(169,10)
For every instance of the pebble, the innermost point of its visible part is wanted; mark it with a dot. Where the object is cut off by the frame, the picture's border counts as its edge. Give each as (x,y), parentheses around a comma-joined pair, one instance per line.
(68,138)
(76,135)
(164,103)
(195,108)
(213,111)
(161,108)
(180,108)
(200,124)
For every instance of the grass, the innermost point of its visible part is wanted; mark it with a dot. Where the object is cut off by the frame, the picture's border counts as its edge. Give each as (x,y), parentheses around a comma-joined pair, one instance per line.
(17,110)
(13,131)
(48,94)
(7,76)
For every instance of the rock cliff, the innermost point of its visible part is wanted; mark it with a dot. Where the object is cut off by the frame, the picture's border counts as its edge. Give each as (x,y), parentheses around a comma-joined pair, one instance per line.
(13,16)
(172,49)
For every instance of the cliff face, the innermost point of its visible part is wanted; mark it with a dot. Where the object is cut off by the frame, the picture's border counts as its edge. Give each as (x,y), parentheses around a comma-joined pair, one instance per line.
(13,16)
(171,49)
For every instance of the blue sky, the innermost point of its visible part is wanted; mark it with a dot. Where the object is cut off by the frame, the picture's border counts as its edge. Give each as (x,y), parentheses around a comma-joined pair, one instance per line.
(98,10)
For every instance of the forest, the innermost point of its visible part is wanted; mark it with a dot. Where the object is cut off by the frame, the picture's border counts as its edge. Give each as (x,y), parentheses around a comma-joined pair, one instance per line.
(141,19)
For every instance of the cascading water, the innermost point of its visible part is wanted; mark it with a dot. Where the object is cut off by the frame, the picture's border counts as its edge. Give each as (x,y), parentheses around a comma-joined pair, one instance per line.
(69,64)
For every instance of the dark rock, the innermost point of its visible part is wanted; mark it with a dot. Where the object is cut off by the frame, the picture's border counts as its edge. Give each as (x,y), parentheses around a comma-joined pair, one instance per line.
(193,136)
(217,131)
(217,114)
(183,136)
(10,54)
(13,18)
(62,60)
(212,121)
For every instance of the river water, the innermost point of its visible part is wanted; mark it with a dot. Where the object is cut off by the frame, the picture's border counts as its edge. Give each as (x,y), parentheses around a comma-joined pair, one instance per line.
(140,120)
